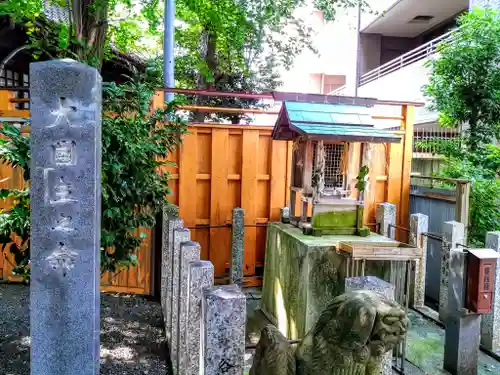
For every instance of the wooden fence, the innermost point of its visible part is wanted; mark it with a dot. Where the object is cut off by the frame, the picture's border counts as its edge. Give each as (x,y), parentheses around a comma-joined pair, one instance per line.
(220,167)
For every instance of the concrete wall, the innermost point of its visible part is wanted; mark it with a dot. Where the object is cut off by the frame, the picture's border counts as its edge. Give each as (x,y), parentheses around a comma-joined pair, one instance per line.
(370,51)
(376,50)
(393,47)
(378,6)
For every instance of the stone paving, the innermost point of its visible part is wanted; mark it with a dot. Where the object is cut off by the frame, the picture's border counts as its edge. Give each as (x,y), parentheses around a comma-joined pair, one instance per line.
(426,348)
(132,335)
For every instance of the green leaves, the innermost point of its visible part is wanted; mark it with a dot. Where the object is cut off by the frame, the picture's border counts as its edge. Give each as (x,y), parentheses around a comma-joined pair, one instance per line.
(134,189)
(361,178)
(236,45)
(134,147)
(464,83)
(15,223)
(464,86)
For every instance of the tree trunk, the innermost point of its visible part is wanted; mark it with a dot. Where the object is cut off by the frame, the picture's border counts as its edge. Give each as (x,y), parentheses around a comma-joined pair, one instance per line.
(90,25)
(208,51)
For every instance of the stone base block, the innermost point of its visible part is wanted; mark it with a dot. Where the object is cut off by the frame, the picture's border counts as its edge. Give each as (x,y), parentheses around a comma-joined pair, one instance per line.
(461,348)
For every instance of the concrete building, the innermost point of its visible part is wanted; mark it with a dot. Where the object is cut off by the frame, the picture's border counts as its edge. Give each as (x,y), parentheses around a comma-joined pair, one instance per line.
(394,46)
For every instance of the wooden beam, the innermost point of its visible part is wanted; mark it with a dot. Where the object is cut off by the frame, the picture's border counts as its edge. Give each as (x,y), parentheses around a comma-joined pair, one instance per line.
(462,200)
(225,109)
(249,170)
(444,179)
(218,188)
(408,112)
(243,95)
(16,113)
(210,125)
(378,117)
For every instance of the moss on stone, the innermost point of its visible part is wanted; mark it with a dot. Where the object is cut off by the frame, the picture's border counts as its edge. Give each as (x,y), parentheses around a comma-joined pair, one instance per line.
(363,232)
(332,219)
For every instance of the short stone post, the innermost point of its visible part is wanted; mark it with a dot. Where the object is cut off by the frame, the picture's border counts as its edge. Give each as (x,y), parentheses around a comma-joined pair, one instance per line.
(201,277)
(385,217)
(66,214)
(224,317)
(285,215)
(237,245)
(180,236)
(462,332)
(381,287)
(169,225)
(490,324)
(419,224)
(190,252)
(453,233)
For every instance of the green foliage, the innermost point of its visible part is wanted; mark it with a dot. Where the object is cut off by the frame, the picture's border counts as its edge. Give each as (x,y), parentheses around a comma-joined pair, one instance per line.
(134,148)
(464,83)
(15,223)
(93,29)
(235,45)
(134,188)
(464,86)
(484,213)
(361,178)
(451,147)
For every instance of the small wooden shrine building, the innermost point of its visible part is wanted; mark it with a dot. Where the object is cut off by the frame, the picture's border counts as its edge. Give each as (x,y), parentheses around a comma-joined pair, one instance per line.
(323,134)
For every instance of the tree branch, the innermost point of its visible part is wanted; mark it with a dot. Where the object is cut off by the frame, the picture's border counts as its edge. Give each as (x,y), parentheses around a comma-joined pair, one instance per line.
(12,54)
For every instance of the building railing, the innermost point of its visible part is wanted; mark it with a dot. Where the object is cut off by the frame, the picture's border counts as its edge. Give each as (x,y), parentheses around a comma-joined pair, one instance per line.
(424,51)
(338,91)
(421,136)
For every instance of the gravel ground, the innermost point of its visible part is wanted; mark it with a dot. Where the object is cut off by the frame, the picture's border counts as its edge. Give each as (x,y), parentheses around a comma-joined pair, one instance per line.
(132,336)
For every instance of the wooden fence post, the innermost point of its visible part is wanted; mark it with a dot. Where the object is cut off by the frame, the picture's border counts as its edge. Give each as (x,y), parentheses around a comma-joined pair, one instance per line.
(399,168)
(5,103)
(462,194)
(408,112)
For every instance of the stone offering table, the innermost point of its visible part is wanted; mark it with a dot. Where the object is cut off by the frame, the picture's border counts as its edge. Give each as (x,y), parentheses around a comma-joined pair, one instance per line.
(303,274)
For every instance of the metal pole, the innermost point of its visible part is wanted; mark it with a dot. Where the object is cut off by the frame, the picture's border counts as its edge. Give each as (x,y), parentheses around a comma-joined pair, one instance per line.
(168,49)
(358,37)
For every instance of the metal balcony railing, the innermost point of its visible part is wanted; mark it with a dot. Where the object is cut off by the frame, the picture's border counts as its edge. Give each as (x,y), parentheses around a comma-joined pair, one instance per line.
(421,137)
(424,51)
(338,91)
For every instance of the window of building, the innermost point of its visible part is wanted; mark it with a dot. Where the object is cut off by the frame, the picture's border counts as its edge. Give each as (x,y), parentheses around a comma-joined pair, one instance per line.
(10,78)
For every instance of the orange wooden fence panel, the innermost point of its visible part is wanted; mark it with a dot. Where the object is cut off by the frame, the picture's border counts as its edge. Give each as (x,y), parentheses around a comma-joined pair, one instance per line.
(134,280)
(221,167)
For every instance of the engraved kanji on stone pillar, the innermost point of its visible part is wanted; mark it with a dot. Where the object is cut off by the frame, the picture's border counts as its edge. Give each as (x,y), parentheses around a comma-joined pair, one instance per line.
(65,211)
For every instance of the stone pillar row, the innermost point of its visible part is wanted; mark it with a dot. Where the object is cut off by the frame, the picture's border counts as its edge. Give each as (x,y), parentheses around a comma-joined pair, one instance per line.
(204,324)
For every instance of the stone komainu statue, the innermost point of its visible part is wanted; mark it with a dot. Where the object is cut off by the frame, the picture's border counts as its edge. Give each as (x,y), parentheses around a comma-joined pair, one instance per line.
(349,338)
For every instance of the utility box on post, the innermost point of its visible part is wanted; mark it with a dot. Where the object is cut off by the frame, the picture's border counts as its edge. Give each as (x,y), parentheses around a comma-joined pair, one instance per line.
(481,266)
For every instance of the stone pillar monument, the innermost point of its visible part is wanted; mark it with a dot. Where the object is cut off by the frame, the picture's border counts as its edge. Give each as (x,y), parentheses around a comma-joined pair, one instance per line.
(65,212)
(237,246)
(190,252)
(419,223)
(180,236)
(201,277)
(453,234)
(462,333)
(385,217)
(224,317)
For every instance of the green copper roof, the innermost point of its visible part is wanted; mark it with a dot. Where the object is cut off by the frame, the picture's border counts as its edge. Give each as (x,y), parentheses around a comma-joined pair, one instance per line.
(345,132)
(328,113)
(340,122)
